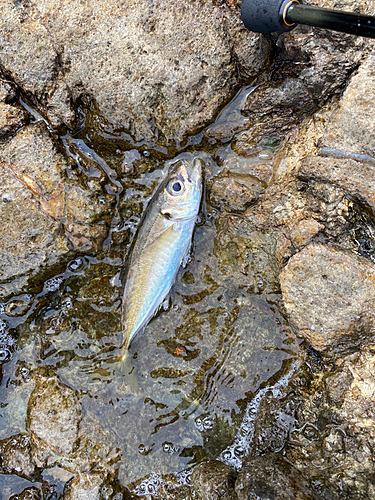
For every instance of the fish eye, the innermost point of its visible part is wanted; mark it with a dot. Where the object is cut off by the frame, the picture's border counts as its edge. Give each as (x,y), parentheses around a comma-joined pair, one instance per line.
(175,187)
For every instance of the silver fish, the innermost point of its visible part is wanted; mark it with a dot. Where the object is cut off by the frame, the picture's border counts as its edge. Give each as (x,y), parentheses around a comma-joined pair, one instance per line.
(161,245)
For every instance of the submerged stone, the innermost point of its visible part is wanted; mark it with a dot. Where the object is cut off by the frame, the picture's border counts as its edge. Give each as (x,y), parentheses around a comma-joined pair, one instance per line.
(54,414)
(271,478)
(235,192)
(214,480)
(16,457)
(84,487)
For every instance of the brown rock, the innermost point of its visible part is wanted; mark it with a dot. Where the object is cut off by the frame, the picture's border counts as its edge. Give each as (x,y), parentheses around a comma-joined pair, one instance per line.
(235,192)
(30,237)
(352,128)
(169,64)
(16,458)
(214,480)
(84,487)
(271,478)
(329,295)
(356,178)
(303,232)
(11,119)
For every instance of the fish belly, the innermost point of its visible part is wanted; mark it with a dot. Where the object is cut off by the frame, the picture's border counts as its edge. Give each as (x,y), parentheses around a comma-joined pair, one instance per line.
(151,276)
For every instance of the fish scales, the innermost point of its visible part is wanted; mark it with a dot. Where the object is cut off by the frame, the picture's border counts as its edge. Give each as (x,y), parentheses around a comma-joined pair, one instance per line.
(160,246)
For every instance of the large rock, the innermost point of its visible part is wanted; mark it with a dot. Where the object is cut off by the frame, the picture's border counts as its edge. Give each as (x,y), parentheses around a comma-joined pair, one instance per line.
(164,63)
(352,128)
(30,237)
(325,59)
(329,296)
(38,201)
(346,155)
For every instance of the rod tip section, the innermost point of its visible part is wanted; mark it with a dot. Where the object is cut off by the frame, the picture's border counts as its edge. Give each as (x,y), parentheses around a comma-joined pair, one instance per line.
(266,16)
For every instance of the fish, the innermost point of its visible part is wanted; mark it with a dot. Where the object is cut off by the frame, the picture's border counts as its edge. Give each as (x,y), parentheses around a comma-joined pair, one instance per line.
(161,244)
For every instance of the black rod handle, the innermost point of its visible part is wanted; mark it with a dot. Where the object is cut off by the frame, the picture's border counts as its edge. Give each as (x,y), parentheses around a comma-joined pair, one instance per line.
(345,22)
(266,16)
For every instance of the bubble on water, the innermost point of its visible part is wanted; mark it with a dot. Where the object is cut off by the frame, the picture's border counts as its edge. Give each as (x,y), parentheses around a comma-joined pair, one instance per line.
(198,424)
(203,424)
(17,306)
(77,265)
(207,423)
(6,342)
(25,374)
(184,477)
(4,355)
(243,441)
(53,284)
(144,449)
(150,485)
(67,303)
(170,448)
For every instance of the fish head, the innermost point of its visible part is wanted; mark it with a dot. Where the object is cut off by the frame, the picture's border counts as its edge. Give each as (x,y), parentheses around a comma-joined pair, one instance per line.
(182,191)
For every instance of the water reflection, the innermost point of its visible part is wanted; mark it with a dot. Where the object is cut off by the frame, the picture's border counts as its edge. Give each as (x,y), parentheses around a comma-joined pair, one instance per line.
(198,371)
(192,371)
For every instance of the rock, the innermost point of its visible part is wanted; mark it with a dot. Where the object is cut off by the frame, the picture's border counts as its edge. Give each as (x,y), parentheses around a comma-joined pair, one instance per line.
(54,414)
(352,128)
(272,425)
(84,487)
(16,458)
(277,108)
(31,238)
(271,478)
(214,480)
(32,493)
(356,178)
(329,297)
(331,443)
(24,34)
(37,161)
(169,65)
(234,192)
(38,198)
(11,119)
(7,93)
(303,232)
(322,59)
(357,380)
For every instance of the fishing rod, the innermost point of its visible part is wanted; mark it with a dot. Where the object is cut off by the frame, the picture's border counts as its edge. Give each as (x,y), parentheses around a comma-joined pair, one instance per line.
(266,16)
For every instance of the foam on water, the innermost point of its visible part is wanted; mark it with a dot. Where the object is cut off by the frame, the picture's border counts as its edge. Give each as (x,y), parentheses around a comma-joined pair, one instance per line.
(241,446)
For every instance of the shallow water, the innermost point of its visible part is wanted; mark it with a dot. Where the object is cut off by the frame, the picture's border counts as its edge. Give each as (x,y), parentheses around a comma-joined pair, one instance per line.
(198,367)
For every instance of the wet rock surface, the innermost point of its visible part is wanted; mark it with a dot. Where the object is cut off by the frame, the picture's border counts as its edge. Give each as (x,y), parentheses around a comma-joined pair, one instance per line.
(84,487)
(212,404)
(16,453)
(214,481)
(271,477)
(31,237)
(54,413)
